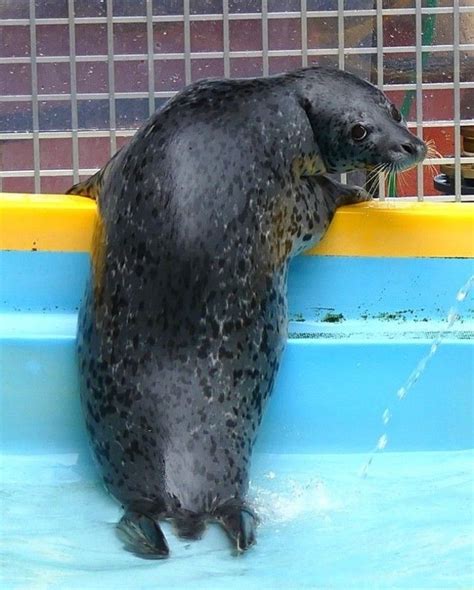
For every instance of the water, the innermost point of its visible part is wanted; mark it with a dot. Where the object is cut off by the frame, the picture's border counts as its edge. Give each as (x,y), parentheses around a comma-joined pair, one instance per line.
(452,318)
(321,527)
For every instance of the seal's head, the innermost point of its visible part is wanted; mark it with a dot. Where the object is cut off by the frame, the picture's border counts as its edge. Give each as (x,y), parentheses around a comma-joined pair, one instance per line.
(354,123)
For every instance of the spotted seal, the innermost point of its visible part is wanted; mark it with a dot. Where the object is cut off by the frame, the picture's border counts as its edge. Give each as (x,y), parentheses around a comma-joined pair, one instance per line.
(185,317)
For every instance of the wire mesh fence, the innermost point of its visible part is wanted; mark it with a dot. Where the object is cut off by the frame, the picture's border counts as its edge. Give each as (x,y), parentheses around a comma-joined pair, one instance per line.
(78,77)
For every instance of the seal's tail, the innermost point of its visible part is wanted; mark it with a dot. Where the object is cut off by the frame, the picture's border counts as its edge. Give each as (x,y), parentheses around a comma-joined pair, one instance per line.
(142,535)
(190,525)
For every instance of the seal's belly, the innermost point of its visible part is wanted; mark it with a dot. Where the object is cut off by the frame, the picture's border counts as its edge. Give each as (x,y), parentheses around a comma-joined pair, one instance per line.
(166,425)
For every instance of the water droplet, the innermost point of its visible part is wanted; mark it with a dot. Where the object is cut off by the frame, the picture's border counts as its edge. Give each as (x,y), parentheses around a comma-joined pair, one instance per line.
(382,442)
(452,317)
(365,469)
(463,291)
(401,393)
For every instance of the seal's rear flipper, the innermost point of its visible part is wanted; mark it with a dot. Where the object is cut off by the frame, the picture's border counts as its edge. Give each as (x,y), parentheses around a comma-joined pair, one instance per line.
(239,523)
(142,536)
(92,187)
(88,188)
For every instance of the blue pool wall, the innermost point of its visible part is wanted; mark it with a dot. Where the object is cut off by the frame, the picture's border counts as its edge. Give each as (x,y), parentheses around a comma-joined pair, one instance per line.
(336,379)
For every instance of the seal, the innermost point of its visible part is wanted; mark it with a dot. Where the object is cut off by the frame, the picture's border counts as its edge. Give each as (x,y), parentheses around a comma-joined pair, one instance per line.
(185,318)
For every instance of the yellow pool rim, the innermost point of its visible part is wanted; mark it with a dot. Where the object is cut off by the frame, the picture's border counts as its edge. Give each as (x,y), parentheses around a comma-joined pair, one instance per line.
(60,223)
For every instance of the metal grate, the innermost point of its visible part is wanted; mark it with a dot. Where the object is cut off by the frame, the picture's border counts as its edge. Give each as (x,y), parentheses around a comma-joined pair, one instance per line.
(77,77)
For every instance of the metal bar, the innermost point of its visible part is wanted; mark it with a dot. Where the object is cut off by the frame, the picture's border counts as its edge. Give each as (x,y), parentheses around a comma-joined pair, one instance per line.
(235,54)
(174,18)
(49,172)
(429,86)
(111,73)
(34,98)
(85,96)
(265,60)
(340,50)
(226,37)
(340,33)
(457,102)
(82,171)
(379,29)
(25,135)
(187,42)
(151,60)
(73,79)
(438,199)
(21,136)
(30,173)
(170,93)
(449,160)
(304,33)
(419,93)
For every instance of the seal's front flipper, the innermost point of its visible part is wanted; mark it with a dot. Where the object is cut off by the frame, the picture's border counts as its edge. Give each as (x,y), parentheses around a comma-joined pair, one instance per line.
(338,194)
(239,523)
(349,195)
(142,536)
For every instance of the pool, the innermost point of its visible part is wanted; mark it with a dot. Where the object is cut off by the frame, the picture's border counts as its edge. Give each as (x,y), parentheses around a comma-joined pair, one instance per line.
(364,309)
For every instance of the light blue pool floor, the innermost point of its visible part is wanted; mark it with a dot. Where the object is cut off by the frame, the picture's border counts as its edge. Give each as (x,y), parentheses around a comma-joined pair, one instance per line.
(409,524)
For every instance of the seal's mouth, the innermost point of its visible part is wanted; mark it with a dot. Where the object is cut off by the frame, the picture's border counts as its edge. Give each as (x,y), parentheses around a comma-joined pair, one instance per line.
(400,158)
(400,155)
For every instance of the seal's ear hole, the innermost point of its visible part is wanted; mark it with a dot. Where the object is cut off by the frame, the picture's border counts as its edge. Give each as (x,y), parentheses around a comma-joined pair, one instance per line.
(307,109)
(359,132)
(395,113)
(306,104)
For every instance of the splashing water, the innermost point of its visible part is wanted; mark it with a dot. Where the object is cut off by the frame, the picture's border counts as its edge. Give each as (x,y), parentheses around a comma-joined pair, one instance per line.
(452,317)
(293,499)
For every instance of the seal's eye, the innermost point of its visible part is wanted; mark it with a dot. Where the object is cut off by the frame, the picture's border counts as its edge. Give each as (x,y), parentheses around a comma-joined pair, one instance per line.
(358,132)
(395,113)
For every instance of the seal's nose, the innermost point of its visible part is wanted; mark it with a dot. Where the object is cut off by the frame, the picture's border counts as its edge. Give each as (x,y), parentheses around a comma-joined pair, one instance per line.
(409,148)
(414,149)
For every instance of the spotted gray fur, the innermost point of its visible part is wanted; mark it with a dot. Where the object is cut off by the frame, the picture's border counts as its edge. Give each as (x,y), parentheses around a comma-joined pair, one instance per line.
(185,317)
